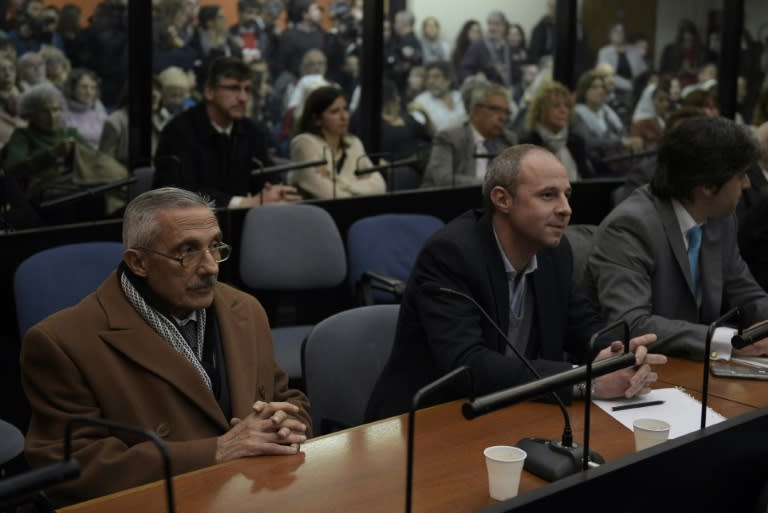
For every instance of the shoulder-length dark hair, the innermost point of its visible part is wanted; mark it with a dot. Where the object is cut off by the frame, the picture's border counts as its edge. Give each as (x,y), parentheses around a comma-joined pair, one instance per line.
(316,103)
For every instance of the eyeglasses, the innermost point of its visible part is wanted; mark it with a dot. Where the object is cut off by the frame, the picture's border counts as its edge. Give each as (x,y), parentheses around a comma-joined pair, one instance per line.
(219,251)
(495,109)
(235,88)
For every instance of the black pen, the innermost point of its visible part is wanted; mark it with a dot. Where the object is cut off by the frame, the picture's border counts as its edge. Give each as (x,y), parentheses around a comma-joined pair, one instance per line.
(636,405)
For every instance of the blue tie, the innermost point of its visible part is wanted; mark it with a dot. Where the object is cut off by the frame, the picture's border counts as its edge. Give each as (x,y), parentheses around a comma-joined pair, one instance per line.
(694,247)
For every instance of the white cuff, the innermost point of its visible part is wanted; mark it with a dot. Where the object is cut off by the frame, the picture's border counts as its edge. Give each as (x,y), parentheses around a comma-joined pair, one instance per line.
(721,343)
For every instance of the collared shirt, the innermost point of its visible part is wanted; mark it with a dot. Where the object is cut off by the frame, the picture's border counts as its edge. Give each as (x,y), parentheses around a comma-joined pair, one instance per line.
(520,300)
(721,338)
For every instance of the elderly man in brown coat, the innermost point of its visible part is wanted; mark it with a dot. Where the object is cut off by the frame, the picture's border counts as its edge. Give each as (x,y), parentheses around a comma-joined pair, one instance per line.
(160,345)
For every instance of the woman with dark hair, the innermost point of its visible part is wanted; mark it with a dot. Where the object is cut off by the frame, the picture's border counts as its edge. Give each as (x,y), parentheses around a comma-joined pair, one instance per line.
(322,134)
(470,32)
(686,55)
(598,124)
(84,110)
(518,47)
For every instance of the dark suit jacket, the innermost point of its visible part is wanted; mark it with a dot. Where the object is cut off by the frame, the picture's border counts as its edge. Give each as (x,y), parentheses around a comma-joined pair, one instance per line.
(758,190)
(438,334)
(575,145)
(101,359)
(192,155)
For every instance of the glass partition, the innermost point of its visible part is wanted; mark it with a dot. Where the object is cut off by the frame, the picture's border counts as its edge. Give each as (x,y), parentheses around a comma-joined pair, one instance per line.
(457,86)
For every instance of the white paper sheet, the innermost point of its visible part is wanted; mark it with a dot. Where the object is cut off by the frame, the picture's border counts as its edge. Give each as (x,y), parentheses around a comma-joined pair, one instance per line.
(682,411)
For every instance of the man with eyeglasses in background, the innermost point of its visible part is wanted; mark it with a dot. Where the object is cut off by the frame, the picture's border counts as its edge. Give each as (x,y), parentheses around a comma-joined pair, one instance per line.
(162,346)
(213,147)
(460,155)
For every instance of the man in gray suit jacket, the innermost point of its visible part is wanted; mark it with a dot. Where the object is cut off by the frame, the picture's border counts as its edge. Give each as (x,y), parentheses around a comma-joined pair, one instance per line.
(452,160)
(640,265)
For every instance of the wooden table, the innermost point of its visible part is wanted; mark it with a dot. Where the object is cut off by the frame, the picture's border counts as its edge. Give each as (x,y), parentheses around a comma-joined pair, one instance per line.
(689,375)
(363,469)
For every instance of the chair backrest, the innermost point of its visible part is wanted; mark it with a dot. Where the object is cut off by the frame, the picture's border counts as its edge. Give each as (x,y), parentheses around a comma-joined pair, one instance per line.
(387,244)
(291,247)
(580,237)
(144,178)
(58,277)
(342,358)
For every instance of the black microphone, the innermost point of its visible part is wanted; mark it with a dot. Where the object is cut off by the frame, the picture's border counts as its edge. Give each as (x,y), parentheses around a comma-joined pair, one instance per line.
(88,192)
(422,395)
(149,435)
(15,490)
(395,163)
(733,312)
(750,336)
(548,459)
(282,168)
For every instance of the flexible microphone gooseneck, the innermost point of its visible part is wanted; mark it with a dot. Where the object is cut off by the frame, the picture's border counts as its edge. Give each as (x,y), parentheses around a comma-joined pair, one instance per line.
(548,459)
(588,388)
(732,313)
(418,399)
(149,435)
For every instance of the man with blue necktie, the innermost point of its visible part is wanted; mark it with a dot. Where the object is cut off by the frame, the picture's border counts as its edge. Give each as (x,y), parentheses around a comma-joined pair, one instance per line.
(666,258)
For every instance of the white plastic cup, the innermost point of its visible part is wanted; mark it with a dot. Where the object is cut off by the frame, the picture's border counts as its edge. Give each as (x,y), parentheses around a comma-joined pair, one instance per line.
(649,432)
(505,465)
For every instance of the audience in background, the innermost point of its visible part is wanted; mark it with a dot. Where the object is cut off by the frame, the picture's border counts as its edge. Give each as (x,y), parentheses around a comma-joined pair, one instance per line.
(441,101)
(30,70)
(322,134)
(433,48)
(597,123)
(686,54)
(57,66)
(38,154)
(452,160)
(548,118)
(492,55)
(625,59)
(649,118)
(470,32)
(84,110)
(403,50)
(214,147)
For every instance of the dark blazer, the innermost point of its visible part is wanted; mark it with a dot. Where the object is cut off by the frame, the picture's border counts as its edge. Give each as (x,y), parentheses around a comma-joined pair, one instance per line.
(754,195)
(192,155)
(438,334)
(575,145)
(101,359)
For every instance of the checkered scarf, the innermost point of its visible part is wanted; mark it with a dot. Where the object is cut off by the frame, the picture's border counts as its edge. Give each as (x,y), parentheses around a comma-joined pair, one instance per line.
(167,329)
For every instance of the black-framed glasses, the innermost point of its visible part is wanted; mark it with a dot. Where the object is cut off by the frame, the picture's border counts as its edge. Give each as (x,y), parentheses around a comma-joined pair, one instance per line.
(219,251)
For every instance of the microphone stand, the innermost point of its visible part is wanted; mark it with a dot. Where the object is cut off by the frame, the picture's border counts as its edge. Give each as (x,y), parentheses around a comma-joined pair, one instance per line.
(418,399)
(588,388)
(149,435)
(333,169)
(92,191)
(733,312)
(543,454)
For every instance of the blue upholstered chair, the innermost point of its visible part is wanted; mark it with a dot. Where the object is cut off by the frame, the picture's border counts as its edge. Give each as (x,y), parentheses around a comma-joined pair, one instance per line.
(382,250)
(58,277)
